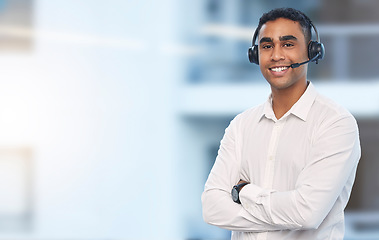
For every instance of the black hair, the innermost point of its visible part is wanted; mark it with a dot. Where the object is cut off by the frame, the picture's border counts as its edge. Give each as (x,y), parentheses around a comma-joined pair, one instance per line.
(288,13)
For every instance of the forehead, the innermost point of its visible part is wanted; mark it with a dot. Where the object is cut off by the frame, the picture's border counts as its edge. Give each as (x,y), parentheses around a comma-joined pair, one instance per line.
(281,27)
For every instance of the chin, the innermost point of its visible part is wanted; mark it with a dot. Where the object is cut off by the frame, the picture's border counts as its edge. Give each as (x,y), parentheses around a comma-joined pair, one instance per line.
(280,84)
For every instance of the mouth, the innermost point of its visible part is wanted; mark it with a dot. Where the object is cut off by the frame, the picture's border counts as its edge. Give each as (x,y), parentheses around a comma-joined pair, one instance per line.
(279,69)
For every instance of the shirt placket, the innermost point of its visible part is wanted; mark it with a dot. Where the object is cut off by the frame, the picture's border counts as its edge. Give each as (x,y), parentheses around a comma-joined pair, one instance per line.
(270,162)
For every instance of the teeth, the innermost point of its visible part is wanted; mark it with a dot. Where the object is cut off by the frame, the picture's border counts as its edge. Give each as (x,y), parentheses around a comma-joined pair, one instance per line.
(279,69)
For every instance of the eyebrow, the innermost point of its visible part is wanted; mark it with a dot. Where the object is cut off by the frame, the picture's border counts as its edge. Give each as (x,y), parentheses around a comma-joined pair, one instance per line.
(287,37)
(281,38)
(266,39)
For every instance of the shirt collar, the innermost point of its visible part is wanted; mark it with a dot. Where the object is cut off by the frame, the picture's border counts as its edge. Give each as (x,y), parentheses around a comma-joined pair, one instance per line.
(300,109)
(268,112)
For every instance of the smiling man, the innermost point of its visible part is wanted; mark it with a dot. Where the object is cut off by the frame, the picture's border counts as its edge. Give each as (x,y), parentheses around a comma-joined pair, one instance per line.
(285,169)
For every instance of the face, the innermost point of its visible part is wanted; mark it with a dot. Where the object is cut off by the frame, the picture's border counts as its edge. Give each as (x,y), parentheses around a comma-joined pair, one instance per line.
(282,43)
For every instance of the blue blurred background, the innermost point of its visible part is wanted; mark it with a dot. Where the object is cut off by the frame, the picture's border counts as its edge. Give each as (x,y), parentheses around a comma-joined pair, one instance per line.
(111,112)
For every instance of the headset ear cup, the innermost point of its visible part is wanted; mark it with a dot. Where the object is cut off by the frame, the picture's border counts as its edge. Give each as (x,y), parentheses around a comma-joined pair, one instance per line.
(315,48)
(321,50)
(253,54)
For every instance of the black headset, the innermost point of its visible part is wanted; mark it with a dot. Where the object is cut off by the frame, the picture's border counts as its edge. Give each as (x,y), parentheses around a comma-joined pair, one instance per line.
(316,50)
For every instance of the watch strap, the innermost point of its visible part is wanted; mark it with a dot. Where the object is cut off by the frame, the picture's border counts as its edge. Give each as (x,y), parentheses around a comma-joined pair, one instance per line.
(238,188)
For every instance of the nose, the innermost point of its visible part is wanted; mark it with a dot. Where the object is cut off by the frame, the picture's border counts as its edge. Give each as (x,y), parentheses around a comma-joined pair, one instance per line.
(277,54)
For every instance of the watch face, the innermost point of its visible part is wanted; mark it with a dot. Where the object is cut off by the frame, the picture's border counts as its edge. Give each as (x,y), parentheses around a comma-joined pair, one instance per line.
(234,194)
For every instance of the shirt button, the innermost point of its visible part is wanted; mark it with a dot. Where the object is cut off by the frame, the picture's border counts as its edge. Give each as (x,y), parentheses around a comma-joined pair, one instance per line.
(271,158)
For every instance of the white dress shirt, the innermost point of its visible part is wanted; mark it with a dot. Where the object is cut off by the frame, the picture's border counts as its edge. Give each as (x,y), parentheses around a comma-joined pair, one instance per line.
(301,170)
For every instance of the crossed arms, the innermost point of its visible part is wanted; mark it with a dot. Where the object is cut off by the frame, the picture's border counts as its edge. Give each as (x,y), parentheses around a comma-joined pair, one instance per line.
(327,175)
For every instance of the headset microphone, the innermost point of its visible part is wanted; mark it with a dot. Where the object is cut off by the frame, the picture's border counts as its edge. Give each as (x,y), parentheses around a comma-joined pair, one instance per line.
(295,65)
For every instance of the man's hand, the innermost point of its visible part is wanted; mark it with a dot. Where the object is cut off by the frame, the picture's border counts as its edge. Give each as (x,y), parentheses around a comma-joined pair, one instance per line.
(242,181)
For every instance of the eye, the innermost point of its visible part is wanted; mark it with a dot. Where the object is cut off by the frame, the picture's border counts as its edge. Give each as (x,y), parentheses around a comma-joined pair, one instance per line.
(266,46)
(288,45)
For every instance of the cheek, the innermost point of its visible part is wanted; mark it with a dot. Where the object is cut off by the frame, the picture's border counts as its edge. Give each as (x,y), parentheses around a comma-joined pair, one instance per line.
(305,53)
(261,66)
(264,61)
(299,56)
(264,70)
(263,57)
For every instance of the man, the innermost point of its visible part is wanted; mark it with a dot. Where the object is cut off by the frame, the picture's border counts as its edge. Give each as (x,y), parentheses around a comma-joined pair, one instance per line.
(285,169)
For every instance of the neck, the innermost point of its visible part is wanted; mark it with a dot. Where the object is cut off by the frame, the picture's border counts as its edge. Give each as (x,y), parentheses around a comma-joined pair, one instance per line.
(284,99)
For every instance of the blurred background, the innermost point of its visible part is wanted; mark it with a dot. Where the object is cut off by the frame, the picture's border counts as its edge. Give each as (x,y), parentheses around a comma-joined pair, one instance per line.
(111,112)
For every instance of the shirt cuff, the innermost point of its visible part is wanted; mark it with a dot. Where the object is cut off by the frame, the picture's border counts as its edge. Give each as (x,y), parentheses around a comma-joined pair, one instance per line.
(250,194)
(256,201)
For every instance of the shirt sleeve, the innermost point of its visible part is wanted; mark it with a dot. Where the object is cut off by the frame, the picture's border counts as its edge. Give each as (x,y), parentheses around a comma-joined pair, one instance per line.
(333,160)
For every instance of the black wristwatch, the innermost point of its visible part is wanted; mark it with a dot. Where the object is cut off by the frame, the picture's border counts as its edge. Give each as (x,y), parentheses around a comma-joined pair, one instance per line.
(236,192)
